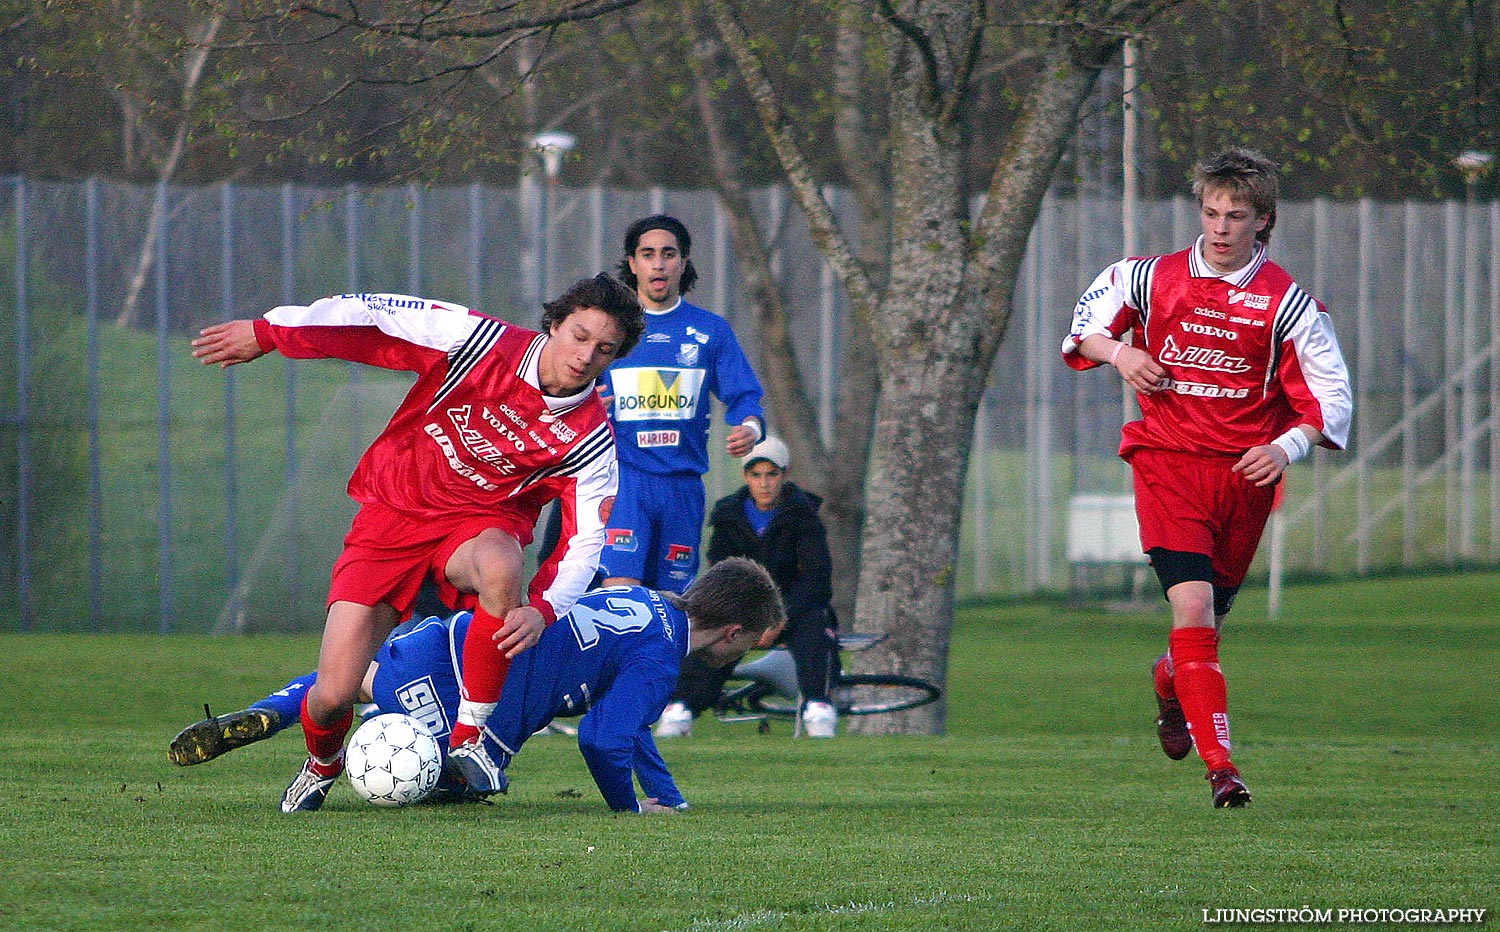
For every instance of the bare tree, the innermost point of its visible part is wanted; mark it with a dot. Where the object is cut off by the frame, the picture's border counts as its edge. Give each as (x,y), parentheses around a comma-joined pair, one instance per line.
(168,148)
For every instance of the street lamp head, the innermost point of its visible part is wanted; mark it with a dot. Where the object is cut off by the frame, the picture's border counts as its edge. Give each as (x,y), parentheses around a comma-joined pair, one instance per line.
(1473,163)
(551,146)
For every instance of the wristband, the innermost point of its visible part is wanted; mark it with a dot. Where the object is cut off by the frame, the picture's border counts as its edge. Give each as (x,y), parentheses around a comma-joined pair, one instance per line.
(1116,354)
(1295,444)
(754,424)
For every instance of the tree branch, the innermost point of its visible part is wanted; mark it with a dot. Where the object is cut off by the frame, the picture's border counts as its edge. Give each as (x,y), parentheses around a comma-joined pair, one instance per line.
(795,402)
(822,224)
(454,27)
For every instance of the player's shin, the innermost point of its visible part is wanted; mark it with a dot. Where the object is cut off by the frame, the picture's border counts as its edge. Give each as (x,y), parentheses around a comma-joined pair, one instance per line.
(325,743)
(485,667)
(1202,691)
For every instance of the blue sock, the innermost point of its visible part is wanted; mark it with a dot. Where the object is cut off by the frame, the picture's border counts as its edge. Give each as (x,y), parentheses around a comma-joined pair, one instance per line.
(287,701)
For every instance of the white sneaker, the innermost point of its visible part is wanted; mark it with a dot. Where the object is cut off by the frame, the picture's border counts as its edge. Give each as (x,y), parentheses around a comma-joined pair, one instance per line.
(819,720)
(676,722)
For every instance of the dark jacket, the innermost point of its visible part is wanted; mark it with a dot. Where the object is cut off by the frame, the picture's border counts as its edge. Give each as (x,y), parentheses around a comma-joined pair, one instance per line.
(794,548)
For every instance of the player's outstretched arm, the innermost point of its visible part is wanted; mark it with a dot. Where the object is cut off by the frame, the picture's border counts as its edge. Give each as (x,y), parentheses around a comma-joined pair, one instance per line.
(227,344)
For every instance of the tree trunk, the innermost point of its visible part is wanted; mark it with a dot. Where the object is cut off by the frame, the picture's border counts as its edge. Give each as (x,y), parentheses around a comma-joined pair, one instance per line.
(937,333)
(925,418)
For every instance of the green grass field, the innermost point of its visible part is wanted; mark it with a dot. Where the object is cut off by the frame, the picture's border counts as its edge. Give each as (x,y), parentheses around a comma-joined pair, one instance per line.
(1365,721)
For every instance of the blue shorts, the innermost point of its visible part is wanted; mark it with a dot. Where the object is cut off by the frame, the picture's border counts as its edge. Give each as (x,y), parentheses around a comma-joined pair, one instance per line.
(419,674)
(655,530)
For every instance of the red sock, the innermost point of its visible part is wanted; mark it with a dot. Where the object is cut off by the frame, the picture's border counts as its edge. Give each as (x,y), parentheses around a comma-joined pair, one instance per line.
(1162,674)
(1202,692)
(325,742)
(485,668)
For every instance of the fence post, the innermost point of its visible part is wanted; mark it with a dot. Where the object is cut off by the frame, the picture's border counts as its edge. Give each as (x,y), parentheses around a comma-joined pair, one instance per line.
(1495,382)
(414,239)
(476,246)
(352,230)
(231,449)
(597,260)
(23,416)
(1452,335)
(1039,411)
(1410,295)
(163,420)
(1320,287)
(289,408)
(1469,406)
(827,310)
(1365,348)
(96,483)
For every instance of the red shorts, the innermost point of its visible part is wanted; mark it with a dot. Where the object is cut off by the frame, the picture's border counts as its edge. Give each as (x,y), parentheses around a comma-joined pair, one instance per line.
(1198,504)
(387,555)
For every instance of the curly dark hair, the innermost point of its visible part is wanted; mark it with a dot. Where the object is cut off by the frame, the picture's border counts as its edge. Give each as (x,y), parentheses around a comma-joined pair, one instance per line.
(684,242)
(608,295)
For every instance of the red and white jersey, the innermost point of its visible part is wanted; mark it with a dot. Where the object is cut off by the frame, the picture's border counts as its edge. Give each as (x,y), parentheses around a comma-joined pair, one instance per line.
(1249,354)
(475,434)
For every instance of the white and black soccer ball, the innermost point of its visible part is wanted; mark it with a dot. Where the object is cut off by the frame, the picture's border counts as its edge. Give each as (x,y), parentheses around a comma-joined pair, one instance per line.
(393,760)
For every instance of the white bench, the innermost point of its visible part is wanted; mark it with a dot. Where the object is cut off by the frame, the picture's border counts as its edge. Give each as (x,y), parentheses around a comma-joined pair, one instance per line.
(1103,532)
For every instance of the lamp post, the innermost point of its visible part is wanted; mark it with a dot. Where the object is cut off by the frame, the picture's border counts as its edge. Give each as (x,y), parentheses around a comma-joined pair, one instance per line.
(1472,163)
(550,147)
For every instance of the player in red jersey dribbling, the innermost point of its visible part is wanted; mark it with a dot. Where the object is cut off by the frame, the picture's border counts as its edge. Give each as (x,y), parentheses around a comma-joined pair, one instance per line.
(501,421)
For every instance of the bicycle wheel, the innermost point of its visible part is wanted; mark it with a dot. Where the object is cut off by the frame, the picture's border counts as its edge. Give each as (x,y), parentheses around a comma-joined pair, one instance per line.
(874,693)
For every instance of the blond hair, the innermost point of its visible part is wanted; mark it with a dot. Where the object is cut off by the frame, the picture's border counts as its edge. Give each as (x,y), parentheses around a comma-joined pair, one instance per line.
(1245,175)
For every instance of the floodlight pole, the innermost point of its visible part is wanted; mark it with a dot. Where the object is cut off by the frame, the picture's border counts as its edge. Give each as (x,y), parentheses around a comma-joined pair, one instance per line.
(1472,163)
(550,147)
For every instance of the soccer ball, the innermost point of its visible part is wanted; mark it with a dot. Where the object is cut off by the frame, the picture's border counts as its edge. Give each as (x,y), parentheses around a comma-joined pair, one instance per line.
(393,760)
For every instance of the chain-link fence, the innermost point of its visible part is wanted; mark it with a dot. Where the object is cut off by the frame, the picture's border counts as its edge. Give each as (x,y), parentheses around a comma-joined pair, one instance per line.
(142,492)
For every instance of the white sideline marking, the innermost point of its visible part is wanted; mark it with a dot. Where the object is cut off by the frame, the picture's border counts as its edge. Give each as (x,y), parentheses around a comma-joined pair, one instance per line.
(766,918)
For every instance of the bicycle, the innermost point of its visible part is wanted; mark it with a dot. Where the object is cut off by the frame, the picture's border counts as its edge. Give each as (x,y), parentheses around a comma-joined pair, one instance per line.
(766,688)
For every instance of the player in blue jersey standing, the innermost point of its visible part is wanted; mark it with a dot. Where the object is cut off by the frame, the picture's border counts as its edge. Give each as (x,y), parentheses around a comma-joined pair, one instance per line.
(660,395)
(614,659)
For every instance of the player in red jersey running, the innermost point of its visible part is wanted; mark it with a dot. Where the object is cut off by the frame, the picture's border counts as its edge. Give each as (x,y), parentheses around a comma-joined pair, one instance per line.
(501,421)
(1239,374)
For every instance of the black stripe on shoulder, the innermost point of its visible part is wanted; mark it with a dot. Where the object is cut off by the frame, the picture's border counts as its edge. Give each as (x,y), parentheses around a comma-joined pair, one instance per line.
(531,353)
(599,442)
(1294,304)
(1141,278)
(463,359)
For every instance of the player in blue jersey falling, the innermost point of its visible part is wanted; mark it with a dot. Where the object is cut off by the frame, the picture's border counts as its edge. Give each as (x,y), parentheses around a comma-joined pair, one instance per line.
(660,407)
(614,659)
